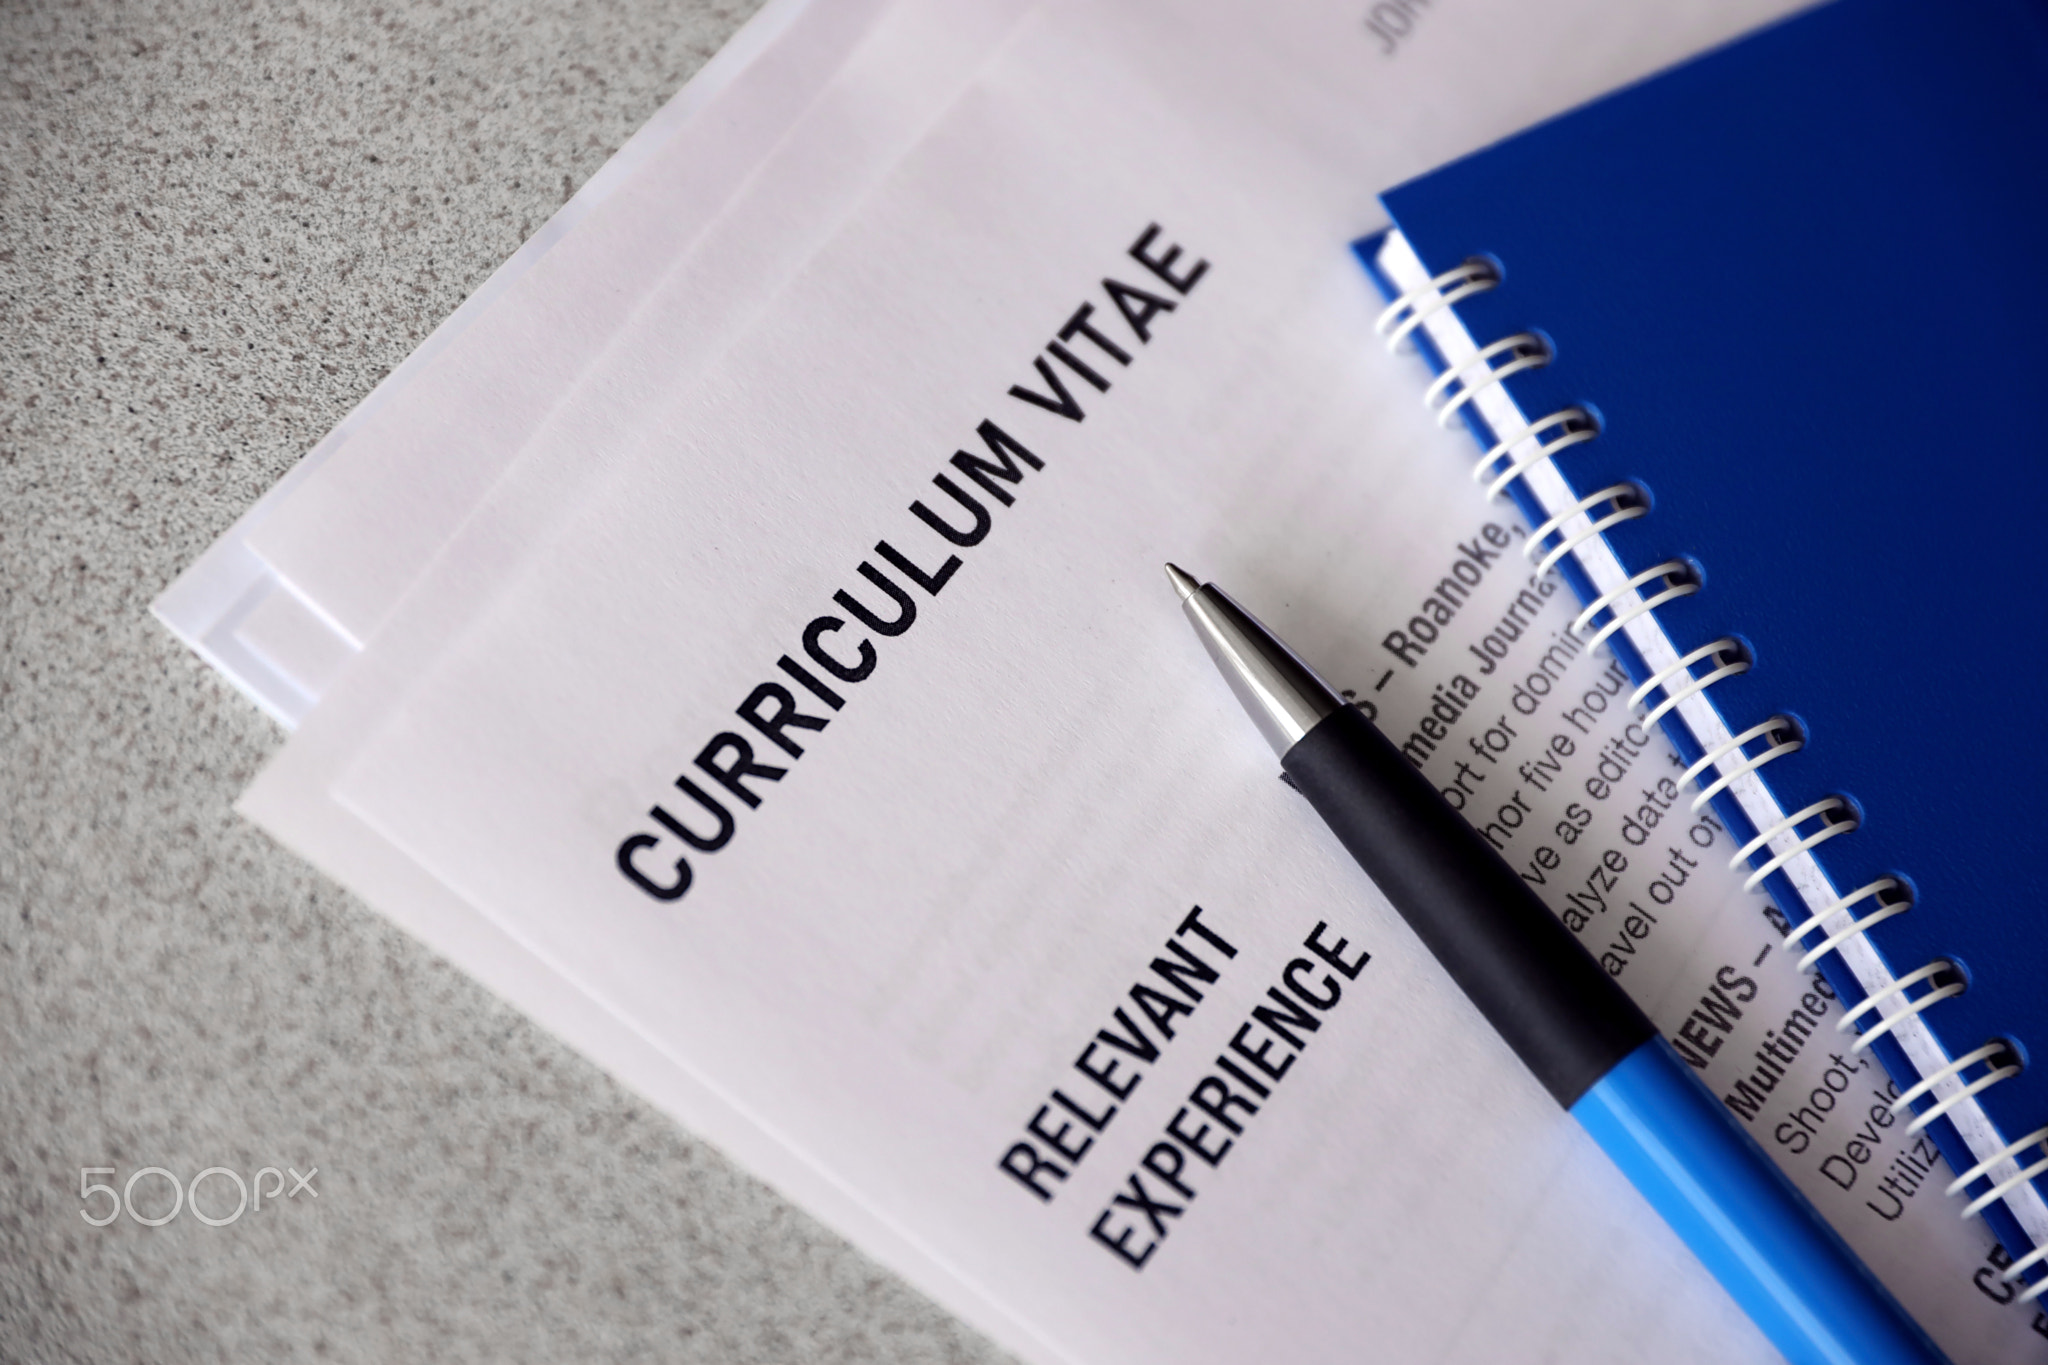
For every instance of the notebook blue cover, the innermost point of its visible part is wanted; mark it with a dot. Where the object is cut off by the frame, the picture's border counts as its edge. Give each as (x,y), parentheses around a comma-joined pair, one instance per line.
(1803,283)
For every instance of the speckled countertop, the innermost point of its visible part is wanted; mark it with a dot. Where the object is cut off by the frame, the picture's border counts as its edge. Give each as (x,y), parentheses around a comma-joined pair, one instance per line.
(220,225)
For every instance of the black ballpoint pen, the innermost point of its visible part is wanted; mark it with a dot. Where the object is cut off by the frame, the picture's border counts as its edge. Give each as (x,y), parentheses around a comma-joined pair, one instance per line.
(1568,1021)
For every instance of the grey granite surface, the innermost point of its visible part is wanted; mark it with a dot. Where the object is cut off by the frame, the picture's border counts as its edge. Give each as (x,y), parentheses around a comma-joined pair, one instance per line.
(220,224)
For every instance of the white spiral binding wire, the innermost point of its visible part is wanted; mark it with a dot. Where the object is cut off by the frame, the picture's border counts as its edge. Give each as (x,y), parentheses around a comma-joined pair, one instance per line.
(1417,306)
(1730,658)
(2005,1187)
(1885,910)
(1679,581)
(2010,1152)
(1785,737)
(1457,386)
(1576,424)
(1836,817)
(2022,1266)
(1997,1047)
(1913,1004)
(1625,502)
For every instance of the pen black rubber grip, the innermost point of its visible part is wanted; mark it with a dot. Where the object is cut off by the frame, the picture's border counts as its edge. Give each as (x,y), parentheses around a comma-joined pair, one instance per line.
(1542,991)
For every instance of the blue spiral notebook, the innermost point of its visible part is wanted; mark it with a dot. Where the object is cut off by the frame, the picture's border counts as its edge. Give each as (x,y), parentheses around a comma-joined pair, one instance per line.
(1760,348)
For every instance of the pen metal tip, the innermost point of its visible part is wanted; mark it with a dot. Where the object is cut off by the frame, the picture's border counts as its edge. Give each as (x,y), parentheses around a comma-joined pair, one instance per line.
(1183,582)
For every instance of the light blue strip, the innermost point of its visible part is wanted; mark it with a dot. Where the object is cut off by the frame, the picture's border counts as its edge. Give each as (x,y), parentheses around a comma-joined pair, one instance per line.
(1758,1235)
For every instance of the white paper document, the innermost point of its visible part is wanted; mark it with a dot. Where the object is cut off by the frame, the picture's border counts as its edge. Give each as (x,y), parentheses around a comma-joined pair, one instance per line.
(730,187)
(826,729)
(282,643)
(673,264)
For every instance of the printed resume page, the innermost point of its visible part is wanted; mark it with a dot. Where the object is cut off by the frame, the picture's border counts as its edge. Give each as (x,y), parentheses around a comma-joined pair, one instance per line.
(848,743)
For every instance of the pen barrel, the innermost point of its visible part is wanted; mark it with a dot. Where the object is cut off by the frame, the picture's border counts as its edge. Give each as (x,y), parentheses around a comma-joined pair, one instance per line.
(1746,1222)
(1532,979)
(1598,1054)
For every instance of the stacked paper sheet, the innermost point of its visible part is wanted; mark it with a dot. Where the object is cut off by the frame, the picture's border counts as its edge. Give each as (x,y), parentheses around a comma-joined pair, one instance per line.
(736,637)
